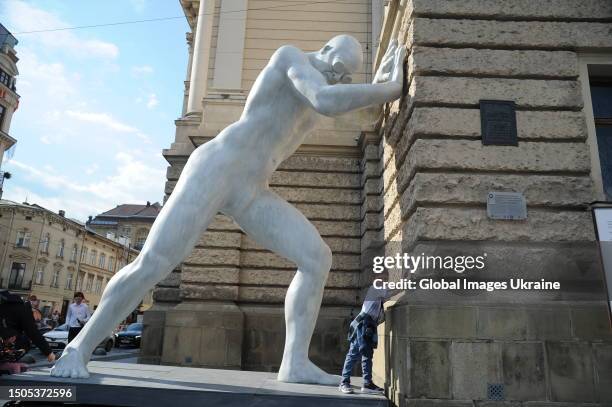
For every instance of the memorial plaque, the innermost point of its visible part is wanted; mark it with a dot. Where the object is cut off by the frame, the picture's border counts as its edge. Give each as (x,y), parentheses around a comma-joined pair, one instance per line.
(506,206)
(498,123)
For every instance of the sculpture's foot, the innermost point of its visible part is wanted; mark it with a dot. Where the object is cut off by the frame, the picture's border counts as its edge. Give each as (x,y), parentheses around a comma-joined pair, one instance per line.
(70,364)
(306,372)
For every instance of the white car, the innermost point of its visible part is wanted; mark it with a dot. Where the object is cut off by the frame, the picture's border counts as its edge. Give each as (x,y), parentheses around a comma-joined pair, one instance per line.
(58,339)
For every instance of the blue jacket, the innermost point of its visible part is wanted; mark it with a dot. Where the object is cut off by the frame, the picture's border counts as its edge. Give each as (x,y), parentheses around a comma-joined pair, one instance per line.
(363,331)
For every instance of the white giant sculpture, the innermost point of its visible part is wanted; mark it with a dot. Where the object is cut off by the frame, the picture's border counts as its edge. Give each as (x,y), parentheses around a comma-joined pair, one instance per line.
(230,174)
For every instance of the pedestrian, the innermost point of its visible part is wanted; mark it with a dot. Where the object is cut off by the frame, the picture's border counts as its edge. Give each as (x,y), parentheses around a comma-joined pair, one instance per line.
(363,340)
(34,303)
(55,318)
(17,325)
(78,314)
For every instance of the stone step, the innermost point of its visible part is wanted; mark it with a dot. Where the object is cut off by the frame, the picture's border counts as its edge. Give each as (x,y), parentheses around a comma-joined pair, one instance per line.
(124,384)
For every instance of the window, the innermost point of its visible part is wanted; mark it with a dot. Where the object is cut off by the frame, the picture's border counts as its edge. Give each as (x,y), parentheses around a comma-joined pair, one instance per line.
(141,236)
(23,238)
(44,245)
(102,261)
(601,97)
(2,115)
(111,263)
(73,254)
(89,285)
(92,258)
(98,288)
(79,283)
(69,281)
(16,277)
(60,249)
(84,254)
(55,279)
(5,79)
(126,231)
(40,275)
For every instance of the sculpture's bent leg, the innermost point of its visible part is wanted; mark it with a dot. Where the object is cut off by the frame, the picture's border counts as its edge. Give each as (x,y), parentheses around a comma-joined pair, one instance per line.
(175,232)
(276,225)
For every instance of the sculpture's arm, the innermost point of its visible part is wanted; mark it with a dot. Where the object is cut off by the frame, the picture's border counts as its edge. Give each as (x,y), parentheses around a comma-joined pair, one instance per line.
(334,100)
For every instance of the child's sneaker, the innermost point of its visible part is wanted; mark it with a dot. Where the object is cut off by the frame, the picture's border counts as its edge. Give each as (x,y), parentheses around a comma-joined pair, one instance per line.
(371,388)
(346,388)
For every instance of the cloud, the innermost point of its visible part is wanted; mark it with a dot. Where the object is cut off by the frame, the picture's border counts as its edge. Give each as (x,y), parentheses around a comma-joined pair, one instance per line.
(153,101)
(142,70)
(103,119)
(22,17)
(132,180)
(139,5)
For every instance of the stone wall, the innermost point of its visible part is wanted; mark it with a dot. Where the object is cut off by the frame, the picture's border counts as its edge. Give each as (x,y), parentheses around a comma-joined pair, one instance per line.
(436,174)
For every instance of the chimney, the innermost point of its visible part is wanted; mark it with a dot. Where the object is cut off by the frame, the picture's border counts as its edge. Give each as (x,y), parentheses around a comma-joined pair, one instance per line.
(62,213)
(148,204)
(90,218)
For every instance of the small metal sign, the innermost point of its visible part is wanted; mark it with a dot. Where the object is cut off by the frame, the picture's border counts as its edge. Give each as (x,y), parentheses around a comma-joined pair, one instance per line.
(506,206)
(498,123)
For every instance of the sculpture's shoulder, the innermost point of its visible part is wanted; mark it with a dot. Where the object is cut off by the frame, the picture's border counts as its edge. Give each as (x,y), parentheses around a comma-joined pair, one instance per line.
(287,56)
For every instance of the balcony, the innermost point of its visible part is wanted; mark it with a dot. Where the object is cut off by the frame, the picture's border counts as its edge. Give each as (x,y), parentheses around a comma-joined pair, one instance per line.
(7,38)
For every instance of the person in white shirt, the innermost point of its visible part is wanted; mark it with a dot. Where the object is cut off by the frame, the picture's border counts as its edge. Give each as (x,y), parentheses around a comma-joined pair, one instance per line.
(76,317)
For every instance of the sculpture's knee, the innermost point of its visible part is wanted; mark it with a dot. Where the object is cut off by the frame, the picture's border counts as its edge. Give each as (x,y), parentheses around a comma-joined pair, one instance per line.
(319,261)
(149,268)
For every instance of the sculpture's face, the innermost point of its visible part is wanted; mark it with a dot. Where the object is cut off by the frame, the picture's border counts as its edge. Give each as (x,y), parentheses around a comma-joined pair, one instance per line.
(344,56)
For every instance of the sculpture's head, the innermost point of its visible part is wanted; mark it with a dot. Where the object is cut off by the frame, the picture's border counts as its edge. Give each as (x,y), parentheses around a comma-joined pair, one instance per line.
(344,56)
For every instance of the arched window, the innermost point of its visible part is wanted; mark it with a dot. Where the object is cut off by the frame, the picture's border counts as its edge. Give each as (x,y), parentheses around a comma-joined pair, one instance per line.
(23,238)
(92,258)
(40,275)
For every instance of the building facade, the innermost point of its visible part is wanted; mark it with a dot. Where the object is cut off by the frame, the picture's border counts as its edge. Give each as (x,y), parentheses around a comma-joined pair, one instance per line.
(9,99)
(48,255)
(416,182)
(126,221)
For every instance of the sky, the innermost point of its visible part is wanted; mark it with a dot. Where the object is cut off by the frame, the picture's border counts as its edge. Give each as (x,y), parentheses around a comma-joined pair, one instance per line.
(97,105)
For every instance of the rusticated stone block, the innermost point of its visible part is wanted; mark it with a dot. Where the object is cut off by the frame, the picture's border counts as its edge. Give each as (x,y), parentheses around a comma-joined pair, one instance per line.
(162,294)
(330,211)
(472,155)
(214,257)
(325,164)
(531,125)
(220,239)
(337,228)
(473,224)
(524,371)
(336,279)
(474,364)
(469,61)
(172,280)
(570,371)
(550,9)
(512,34)
(319,195)
(472,189)
(202,275)
(527,93)
(430,375)
(314,179)
(209,292)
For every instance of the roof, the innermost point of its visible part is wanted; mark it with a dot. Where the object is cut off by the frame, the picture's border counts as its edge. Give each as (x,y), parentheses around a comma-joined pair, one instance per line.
(150,210)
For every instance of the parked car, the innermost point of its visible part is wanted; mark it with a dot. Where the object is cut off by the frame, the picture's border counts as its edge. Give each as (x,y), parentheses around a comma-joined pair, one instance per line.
(130,335)
(58,339)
